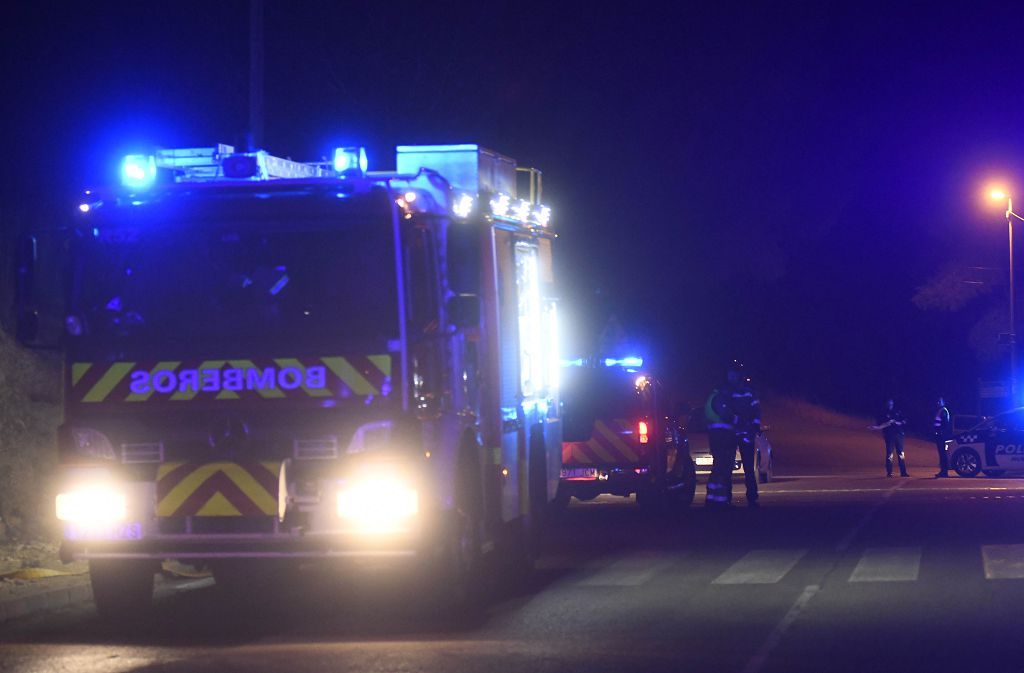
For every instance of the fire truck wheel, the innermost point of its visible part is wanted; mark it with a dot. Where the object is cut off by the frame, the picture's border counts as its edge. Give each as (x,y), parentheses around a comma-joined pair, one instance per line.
(458,573)
(122,589)
(456,581)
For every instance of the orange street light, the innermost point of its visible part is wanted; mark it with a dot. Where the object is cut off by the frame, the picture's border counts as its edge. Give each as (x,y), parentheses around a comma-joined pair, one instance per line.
(998,194)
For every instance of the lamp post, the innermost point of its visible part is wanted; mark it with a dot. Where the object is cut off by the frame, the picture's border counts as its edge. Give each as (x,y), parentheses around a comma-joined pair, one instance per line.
(1001,195)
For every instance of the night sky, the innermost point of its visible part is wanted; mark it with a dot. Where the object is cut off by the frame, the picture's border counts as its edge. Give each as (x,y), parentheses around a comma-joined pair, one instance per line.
(769,181)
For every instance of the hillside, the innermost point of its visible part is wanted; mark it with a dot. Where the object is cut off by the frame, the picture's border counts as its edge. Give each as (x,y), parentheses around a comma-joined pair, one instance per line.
(29,414)
(808,438)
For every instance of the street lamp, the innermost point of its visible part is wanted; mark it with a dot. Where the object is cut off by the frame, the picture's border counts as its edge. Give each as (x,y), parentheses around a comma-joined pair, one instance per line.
(1002,195)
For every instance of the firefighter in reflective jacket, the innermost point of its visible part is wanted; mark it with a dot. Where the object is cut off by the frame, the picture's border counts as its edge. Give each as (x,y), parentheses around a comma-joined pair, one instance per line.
(747,409)
(722,441)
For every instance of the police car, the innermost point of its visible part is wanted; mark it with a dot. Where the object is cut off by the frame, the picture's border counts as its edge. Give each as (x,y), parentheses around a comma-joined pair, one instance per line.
(994,446)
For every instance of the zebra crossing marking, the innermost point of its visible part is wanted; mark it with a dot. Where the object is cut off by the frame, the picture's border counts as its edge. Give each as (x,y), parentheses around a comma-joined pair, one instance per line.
(888,564)
(761,566)
(1003,561)
(630,571)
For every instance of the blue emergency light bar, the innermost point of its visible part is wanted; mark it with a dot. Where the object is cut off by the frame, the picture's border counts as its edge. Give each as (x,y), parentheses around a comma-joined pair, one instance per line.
(348,160)
(138,171)
(630,362)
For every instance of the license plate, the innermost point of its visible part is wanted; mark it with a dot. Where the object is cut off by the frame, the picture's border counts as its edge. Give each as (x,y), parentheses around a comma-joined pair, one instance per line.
(579,473)
(704,460)
(116,531)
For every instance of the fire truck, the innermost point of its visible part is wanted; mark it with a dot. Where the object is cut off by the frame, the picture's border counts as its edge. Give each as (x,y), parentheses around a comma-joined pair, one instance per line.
(272,361)
(619,437)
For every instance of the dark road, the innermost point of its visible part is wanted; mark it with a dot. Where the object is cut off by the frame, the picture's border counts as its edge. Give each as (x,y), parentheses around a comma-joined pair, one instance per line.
(842,573)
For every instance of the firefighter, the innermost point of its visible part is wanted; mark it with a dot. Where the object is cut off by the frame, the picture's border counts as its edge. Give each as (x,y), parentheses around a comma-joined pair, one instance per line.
(747,410)
(891,422)
(722,441)
(943,428)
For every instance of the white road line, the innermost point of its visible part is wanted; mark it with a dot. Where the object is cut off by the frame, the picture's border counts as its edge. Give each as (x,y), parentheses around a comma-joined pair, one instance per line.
(761,566)
(1003,561)
(888,564)
(631,571)
(847,540)
(757,661)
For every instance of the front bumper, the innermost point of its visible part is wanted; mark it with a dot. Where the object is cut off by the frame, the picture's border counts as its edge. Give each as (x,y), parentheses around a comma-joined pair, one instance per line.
(186,547)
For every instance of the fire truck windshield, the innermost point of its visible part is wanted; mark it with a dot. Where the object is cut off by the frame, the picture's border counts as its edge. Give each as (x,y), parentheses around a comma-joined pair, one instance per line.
(232,289)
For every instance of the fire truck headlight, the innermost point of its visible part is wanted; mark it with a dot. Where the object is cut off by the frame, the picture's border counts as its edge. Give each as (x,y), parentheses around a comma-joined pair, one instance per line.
(378,504)
(92,504)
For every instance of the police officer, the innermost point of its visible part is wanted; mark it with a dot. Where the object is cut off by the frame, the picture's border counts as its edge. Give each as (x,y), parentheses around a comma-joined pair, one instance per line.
(747,410)
(943,428)
(722,441)
(891,422)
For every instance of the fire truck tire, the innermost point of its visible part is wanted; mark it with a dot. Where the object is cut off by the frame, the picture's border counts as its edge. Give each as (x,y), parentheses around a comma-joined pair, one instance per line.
(455,578)
(122,589)
(457,573)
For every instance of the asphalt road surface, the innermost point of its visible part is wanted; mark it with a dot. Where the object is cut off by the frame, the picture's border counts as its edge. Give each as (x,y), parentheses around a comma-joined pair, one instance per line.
(832,573)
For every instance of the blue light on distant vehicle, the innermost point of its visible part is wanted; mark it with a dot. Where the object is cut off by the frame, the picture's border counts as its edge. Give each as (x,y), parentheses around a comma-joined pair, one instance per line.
(348,160)
(630,362)
(138,171)
(578,362)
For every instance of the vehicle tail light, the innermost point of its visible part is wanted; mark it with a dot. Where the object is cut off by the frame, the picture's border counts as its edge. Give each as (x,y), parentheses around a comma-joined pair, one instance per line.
(641,428)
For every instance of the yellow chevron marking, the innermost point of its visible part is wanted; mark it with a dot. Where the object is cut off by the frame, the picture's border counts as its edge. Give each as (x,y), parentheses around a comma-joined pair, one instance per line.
(172,502)
(616,441)
(265,393)
(78,370)
(578,456)
(108,382)
(168,366)
(596,447)
(347,373)
(227,395)
(185,395)
(218,505)
(292,362)
(382,362)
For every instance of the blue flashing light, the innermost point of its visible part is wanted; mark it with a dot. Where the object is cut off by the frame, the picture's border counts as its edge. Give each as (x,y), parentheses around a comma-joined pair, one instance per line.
(279,285)
(348,160)
(578,362)
(630,362)
(138,171)
(84,207)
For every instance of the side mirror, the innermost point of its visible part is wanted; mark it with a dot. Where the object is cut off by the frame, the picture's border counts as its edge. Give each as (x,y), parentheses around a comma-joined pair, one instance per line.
(464,310)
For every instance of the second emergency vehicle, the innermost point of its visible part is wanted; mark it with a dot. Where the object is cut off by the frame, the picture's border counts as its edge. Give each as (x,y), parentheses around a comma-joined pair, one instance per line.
(619,438)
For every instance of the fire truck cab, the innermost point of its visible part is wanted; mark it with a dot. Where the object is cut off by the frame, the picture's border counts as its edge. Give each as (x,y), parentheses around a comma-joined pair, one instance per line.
(268,359)
(619,437)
